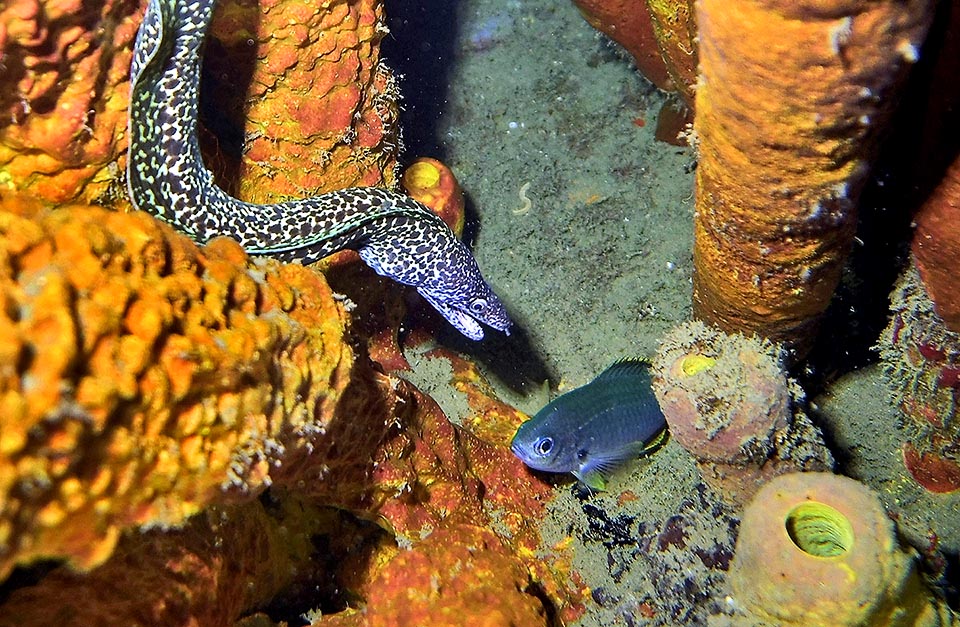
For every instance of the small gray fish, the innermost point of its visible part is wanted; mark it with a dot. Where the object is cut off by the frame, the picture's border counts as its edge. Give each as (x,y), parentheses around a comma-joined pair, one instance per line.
(593,429)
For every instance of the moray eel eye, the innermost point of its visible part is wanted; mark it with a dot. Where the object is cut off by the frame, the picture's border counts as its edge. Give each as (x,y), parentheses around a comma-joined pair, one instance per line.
(543,446)
(478,305)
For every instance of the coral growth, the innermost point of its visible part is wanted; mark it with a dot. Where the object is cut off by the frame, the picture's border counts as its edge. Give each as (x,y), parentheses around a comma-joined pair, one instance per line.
(144,376)
(656,568)
(458,575)
(819,549)
(222,563)
(441,479)
(281,128)
(786,135)
(63,104)
(728,401)
(316,108)
(190,427)
(921,359)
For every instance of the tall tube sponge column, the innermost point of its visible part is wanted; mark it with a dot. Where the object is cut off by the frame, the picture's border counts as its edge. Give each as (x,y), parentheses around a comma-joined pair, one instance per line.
(819,549)
(789,101)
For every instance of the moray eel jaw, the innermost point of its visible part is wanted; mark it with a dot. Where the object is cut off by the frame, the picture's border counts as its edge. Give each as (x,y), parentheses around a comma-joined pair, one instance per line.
(466,313)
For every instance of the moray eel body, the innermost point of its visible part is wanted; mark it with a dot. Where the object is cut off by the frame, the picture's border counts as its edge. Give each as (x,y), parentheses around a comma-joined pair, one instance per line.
(394,234)
(593,429)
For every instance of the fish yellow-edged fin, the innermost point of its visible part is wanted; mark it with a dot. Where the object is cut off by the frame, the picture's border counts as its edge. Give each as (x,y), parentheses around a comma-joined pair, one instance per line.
(658,440)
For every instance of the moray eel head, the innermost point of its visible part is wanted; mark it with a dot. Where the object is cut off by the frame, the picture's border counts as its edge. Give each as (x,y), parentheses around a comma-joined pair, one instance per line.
(467,308)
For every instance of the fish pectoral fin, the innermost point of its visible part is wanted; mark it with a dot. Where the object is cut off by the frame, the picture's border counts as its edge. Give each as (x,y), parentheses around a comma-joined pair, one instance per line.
(595,480)
(598,468)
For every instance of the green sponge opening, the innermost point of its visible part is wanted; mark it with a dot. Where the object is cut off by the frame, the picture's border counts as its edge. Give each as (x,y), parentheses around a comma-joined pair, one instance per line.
(819,530)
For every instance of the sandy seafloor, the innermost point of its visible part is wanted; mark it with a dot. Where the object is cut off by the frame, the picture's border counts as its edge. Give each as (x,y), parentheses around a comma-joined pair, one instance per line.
(526,96)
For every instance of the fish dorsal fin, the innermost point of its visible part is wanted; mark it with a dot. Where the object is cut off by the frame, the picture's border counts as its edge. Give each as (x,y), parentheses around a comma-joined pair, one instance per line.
(629,367)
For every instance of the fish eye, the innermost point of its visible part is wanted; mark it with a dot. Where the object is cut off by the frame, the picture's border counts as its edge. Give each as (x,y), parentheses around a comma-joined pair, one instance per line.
(543,446)
(582,454)
(478,305)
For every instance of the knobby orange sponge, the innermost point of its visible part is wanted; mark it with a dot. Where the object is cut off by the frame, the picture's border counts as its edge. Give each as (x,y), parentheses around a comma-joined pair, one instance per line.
(790,99)
(63,106)
(456,539)
(143,377)
(316,108)
(304,104)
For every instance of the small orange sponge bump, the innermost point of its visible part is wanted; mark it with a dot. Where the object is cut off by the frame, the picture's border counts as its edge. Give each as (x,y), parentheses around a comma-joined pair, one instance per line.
(818,549)
(432,183)
(143,377)
(921,360)
(789,104)
(728,401)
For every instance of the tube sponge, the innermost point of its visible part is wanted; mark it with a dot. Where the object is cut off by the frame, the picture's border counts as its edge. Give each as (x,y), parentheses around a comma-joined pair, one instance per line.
(819,549)
(145,378)
(789,104)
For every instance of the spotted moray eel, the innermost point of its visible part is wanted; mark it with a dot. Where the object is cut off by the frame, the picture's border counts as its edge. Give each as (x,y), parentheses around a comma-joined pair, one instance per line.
(395,235)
